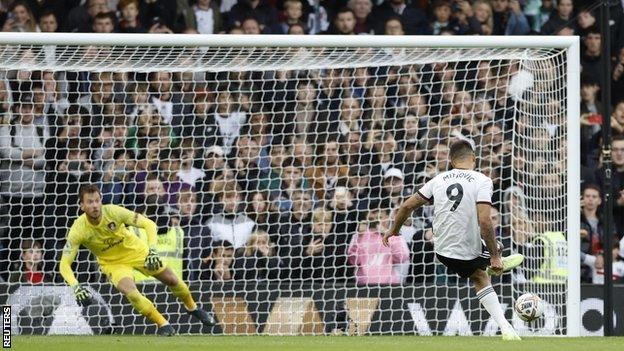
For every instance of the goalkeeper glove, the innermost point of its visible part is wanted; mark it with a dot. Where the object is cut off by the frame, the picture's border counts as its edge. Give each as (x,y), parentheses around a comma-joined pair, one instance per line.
(83,296)
(152,261)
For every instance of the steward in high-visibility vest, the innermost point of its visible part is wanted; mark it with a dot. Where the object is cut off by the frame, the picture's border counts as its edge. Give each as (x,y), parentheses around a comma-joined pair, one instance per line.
(170,247)
(554,265)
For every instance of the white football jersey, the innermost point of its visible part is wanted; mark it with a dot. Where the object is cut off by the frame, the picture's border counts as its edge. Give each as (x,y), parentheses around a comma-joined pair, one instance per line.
(455,195)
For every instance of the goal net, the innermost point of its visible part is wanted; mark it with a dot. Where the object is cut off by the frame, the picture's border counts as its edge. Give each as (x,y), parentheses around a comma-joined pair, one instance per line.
(272,166)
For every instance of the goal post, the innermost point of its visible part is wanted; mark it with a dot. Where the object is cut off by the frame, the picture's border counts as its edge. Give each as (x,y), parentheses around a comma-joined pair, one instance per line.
(231,107)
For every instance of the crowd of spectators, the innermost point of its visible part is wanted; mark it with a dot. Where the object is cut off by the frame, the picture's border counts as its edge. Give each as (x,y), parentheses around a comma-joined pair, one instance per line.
(295,175)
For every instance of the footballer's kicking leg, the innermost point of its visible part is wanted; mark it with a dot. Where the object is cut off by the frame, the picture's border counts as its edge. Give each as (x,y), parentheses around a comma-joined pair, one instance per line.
(181,291)
(142,304)
(488,298)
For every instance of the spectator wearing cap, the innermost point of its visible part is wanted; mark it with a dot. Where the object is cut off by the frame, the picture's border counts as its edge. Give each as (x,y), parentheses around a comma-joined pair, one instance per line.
(394,190)
(231,224)
(129,22)
(509,18)
(263,12)
(412,17)
(207,16)
(560,19)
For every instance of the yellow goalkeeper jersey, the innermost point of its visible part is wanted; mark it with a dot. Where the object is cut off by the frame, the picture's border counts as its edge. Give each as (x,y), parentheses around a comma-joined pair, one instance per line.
(110,241)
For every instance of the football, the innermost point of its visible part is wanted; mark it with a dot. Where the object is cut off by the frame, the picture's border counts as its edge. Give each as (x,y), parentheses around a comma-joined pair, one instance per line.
(529,307)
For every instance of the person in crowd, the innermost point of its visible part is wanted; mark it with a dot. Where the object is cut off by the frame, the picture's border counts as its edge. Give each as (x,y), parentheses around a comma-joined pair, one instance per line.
(596,264)
(104,22)
(327,170)
(129,22)
(294,226)
(561,18)
(198,238)
(219,265)
(80,18)
(22,176)
(294,15)
(48,23)
(592,53)
(208,17)
(509,19)
(413,18)
(260,10)
(231,225)
(362,10)
(29,269)
(258,261)
(21,19)
(375,262)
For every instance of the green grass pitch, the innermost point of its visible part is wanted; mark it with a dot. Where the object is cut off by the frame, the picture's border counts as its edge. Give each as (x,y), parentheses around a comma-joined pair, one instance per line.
(305,343)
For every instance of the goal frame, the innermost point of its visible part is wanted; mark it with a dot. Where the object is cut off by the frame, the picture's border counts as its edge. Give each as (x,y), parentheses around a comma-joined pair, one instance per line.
(570,43)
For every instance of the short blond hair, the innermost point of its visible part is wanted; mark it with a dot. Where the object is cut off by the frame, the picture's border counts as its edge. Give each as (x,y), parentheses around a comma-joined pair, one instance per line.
(254,239)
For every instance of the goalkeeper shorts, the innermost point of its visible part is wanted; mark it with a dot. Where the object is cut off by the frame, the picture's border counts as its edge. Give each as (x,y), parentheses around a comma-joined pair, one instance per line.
(117,271)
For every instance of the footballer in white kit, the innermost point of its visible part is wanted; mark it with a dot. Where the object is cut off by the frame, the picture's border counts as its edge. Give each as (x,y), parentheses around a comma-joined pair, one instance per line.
(455,195)
(465,241)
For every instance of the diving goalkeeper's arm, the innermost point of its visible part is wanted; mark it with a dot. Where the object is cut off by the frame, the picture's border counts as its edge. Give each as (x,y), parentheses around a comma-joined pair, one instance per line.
(83,296)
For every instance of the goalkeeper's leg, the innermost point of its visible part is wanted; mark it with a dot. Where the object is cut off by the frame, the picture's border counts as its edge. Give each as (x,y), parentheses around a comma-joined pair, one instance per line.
(140,303)
(181,291)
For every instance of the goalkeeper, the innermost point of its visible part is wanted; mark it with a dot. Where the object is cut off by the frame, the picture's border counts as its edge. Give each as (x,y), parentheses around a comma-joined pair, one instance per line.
(102,230)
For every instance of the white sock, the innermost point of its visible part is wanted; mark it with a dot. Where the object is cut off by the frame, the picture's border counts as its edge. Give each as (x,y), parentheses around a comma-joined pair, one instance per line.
(488,298)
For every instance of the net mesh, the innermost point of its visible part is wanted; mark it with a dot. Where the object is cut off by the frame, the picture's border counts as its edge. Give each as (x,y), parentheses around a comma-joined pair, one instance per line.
(271,173)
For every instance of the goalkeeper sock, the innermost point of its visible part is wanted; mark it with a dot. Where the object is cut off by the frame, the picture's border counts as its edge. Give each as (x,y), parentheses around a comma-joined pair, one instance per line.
(488,298)
(182,292)
(146,308)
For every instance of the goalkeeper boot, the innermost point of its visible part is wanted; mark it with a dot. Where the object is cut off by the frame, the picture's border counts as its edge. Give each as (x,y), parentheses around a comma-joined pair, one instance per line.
(510,335)
(166,330)
(207,318)
(509,262)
